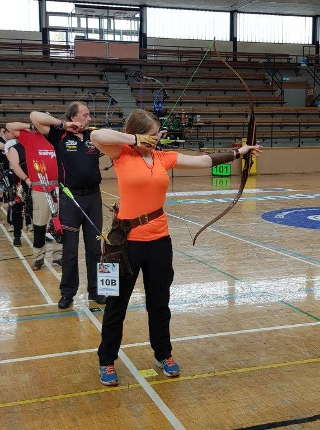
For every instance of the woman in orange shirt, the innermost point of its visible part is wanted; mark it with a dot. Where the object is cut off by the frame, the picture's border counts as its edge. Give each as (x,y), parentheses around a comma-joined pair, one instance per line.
(143,181)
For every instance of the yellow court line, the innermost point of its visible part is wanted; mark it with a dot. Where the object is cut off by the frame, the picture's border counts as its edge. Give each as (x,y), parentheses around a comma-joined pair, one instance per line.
(162,381)
(66,396)
(235,371)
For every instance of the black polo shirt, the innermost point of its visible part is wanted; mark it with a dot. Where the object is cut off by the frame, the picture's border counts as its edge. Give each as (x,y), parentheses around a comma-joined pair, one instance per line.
(22,160)
(78,159)
(4,162)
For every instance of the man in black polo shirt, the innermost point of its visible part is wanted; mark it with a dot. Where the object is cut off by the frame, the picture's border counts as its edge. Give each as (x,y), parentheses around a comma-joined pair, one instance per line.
(78,166)
(4,167)
(21,197)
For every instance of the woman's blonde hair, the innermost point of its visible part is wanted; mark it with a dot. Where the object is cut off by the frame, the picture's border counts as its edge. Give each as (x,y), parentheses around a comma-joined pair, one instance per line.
(139,122)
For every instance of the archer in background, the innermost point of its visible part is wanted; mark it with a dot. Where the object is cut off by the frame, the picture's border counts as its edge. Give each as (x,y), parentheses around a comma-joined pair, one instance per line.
(78,169)
(38,151)
(20,201)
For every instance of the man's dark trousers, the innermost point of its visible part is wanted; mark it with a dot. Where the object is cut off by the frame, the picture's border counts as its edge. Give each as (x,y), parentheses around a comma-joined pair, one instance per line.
(72,218)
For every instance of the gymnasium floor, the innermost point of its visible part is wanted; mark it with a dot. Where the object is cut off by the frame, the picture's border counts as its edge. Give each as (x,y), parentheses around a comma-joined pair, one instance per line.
(245,323)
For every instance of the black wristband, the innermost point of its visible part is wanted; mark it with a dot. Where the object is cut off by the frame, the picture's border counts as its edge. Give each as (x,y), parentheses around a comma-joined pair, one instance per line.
(220,157)
(135,140)
(236,150)
(59,126)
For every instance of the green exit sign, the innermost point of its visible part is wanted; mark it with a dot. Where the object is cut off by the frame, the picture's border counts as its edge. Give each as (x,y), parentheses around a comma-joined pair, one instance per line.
(221,182)
(221,170)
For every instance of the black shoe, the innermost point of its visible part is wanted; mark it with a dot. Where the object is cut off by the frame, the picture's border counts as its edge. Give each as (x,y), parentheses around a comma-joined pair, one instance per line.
(57,262)
(101,300)
(37,265)
(17,241)
(65,302)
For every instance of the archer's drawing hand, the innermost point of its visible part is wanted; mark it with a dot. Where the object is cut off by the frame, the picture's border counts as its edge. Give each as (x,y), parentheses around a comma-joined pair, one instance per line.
(74,127)
(146,140)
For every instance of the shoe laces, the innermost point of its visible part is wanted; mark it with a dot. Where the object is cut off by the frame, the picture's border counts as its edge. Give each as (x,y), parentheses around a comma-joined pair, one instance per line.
(169,361)
(110,369)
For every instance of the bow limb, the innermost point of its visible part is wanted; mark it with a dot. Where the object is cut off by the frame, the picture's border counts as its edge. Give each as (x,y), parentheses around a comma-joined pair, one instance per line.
(251,141)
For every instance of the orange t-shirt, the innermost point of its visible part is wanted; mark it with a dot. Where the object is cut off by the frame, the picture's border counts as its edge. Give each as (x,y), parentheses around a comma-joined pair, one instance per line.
(142,189)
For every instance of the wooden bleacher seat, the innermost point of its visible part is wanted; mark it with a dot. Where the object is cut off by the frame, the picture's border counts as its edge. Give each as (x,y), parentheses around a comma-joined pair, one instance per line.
(34,47)
(213,99)
(121,63)
(54,83)
(222,110)
(199,53)
(37,70)
(204,75)
(63,98)
(202,87)
(98,121)
(237,134)
(278,120)
(43,107)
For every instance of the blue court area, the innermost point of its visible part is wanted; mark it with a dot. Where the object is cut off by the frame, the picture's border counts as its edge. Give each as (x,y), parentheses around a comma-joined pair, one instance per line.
(295,217)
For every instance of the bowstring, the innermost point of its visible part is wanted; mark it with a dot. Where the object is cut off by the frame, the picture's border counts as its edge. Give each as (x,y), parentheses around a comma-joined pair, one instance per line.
(211,45)
(209,48)
(248,159)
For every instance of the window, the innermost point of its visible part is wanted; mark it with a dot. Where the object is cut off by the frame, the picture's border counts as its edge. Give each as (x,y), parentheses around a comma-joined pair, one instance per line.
(58,21)
(58,37)
(61,6)
(26,19)
(72,36)
(122,24)
(108,36)
(130,38)
(274,28)
(94,36)
(93,23)
(111,24)
(108,23)
(188,24)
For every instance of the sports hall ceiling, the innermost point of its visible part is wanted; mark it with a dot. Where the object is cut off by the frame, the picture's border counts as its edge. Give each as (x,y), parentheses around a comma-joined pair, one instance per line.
(285,7)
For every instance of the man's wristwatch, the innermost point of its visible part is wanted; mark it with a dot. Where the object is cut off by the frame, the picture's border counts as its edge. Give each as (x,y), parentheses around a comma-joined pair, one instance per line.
(59,126)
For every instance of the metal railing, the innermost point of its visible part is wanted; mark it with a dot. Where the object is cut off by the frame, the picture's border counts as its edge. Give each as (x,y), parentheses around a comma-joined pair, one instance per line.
(26,47)
(182,53)
(276,81)
(313,72)
(297,135)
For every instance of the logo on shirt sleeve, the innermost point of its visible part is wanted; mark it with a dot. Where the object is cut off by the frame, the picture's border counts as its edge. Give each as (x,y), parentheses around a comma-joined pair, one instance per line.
(90,149)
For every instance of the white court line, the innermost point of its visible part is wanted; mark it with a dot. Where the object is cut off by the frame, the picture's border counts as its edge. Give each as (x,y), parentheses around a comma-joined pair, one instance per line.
(227,333)
(27,307)
(177,339)
(238,238)
(212,229)
(28,268)
(176,424)
(41,357)
(50,267)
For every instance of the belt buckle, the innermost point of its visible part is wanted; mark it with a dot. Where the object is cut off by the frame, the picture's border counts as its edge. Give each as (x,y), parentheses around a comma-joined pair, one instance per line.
(143,219)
